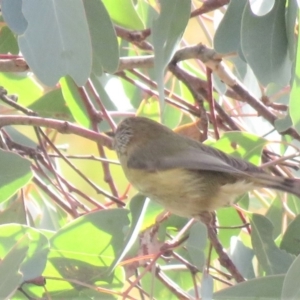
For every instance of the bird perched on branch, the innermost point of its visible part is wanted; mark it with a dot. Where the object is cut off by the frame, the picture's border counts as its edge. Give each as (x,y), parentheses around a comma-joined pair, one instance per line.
(184,175)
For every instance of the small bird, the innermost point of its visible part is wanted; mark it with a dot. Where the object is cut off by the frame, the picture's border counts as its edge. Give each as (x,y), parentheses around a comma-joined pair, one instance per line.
(184,175)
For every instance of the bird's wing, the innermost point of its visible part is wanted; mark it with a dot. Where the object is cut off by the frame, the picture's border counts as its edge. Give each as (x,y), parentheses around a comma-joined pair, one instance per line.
(193,159)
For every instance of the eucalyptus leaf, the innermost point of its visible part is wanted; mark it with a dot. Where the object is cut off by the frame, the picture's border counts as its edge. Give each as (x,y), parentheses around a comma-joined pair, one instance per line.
(36,255)
(73,254)
(17,173)
(10,275)
(291,238)
(291,288)
(196,244)
(268,287)
(227,36)
(127,16)
(271,258)
(67,48)
(13,16)
(8,42)
(265,45)
(103,37)
(73,99)
(295,92)
(167,32)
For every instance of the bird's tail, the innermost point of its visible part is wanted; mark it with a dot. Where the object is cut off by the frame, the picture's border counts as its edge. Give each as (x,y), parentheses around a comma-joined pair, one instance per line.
(290,185)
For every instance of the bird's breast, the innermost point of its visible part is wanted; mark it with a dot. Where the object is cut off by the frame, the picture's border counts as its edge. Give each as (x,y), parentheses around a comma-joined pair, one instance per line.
(187,192)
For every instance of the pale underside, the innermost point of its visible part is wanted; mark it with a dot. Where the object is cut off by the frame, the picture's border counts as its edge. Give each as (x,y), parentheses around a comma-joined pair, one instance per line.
(184,194)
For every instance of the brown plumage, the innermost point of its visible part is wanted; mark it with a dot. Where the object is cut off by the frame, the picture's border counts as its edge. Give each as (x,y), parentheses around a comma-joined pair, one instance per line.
(184,175)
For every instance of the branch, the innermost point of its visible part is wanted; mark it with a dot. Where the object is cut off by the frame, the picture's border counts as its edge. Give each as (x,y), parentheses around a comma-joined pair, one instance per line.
(212,60)
(13,65)
(209,5)
(135,62)
(135,37)
(61,126)
(224,259)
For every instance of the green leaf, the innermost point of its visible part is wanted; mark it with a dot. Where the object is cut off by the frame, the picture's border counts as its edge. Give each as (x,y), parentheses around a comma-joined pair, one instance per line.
(77,291)
(13,16)
(295,92)
(172,115)
(265,45)
(147,13)
(54,45)
(196,244)
(282,124)
(171,226)
(167,31)
(52,105)
(36,257)
(291,287)
(291,238)
(74,101)
(19,137)
(10,275)
(227,216)
(242,257)
(127,16)
(138,207)
(153,210)
(218,84)
(290,18)
(261,288)
(86,248)
(275,214)
(103,36)
(241,144)
(53,217)
(245,74)
(271,258)
(293,203)
(17,173)
(8,43)
(207,286)
(26,89)
(150,109)
(227,36)
(108,225)
(14,213)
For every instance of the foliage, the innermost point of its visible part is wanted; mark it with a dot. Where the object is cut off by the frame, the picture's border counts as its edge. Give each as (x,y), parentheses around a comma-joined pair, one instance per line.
(227,73)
